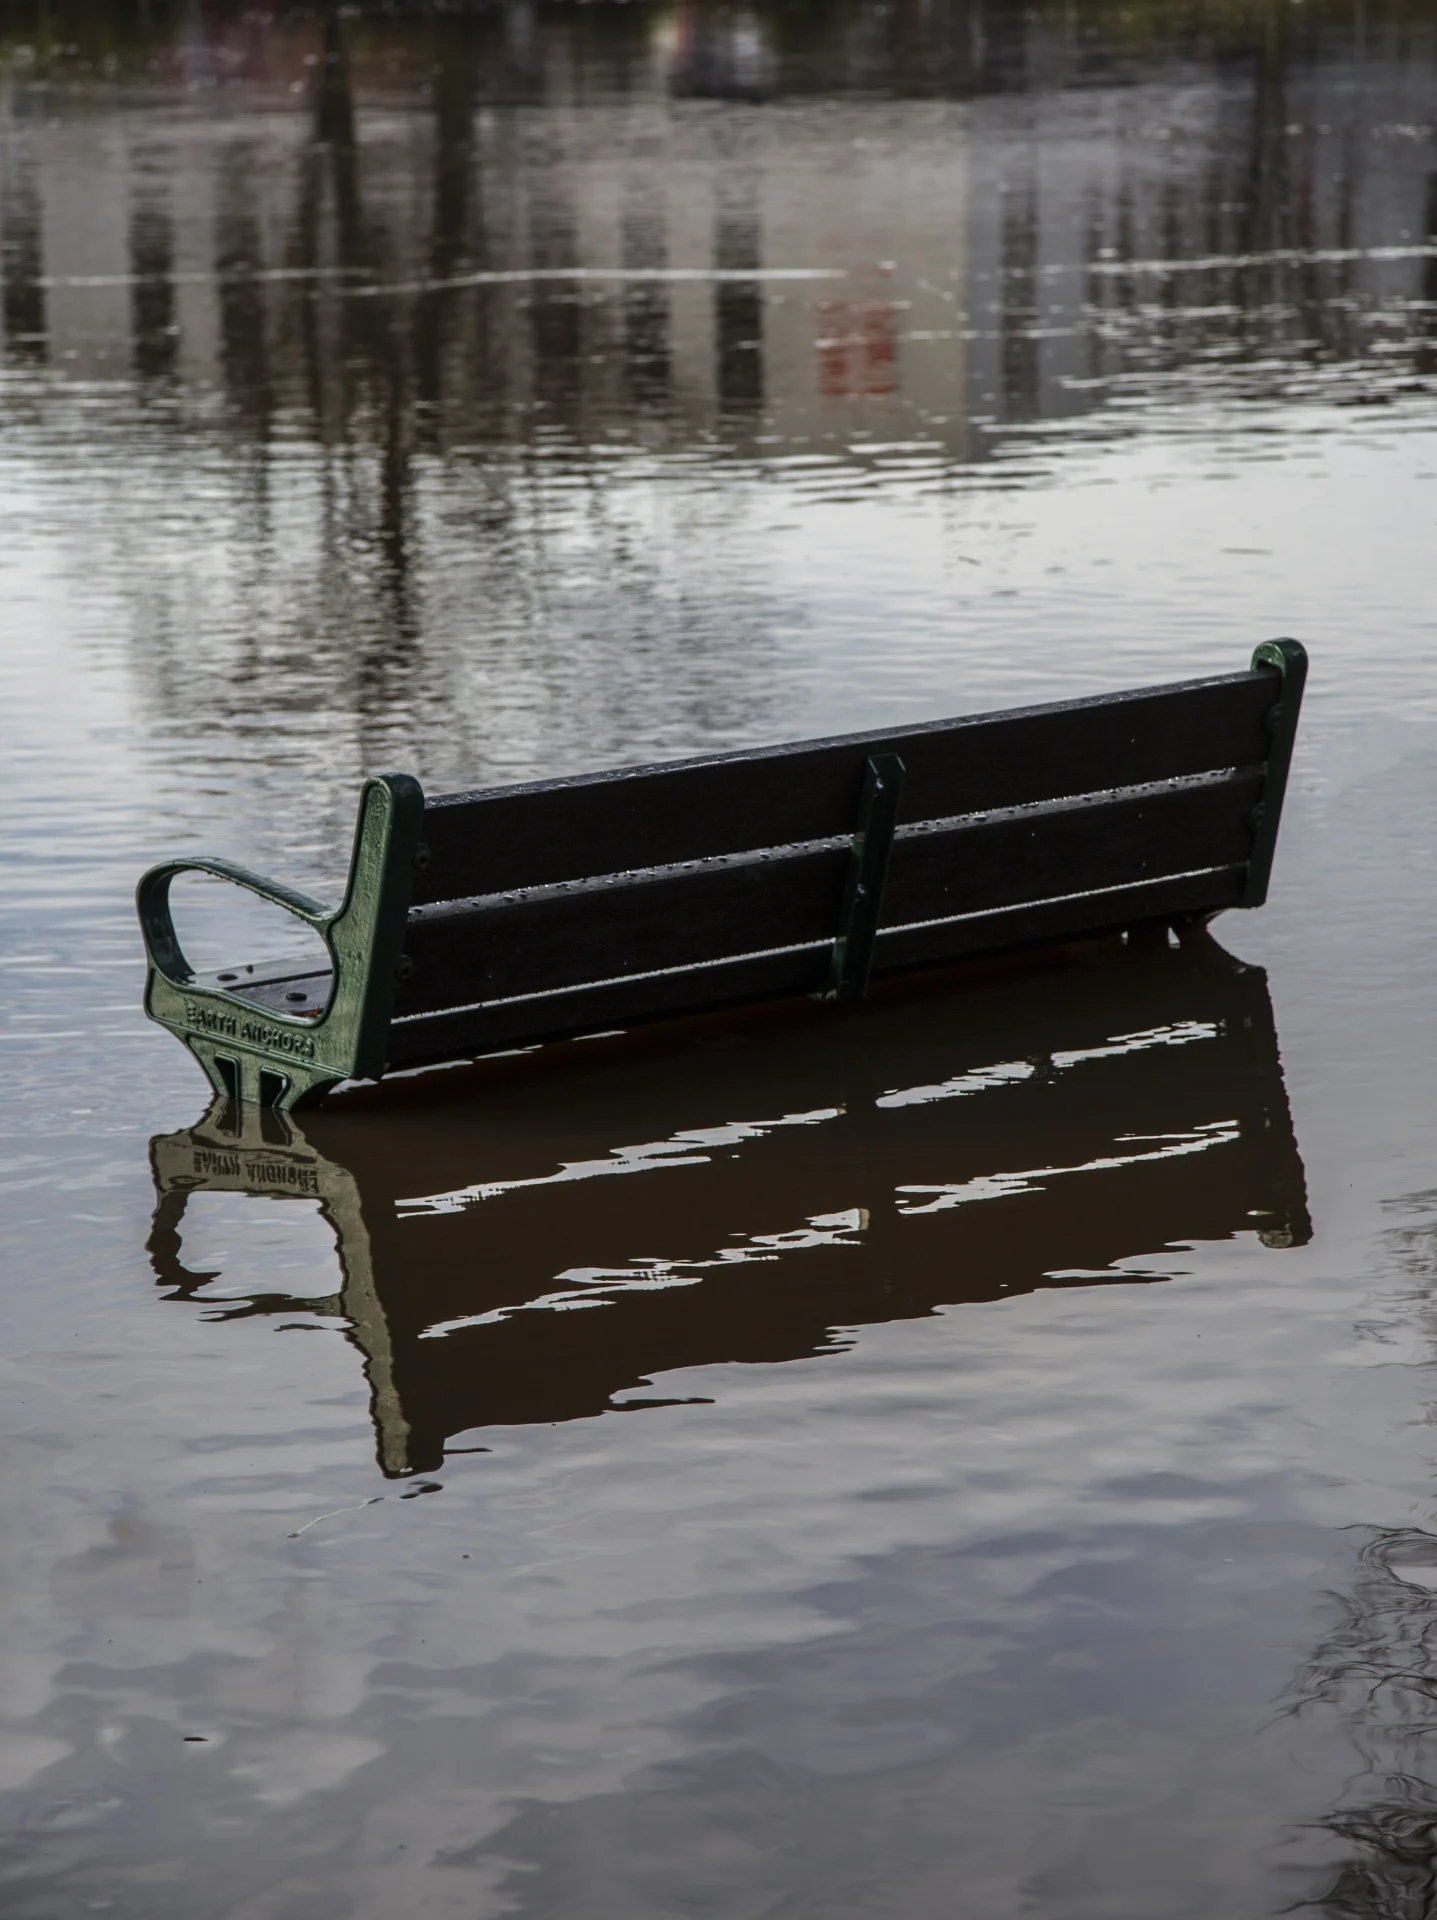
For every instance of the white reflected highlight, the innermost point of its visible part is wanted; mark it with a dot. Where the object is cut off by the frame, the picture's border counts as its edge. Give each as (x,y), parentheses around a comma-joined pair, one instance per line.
(599,1286)
(695,1146)
(1179,1033)
(1004,1186)
(691,1148)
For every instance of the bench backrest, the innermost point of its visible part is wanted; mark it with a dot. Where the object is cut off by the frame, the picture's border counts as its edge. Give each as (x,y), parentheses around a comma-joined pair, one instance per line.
(568,903)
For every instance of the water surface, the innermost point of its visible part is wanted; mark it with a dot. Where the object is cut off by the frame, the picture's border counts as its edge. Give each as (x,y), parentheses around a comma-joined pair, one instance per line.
(973,1458)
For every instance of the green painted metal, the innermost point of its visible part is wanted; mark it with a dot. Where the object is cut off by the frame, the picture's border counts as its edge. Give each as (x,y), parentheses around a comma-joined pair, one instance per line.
(255,1055)
(883,776)
(1290,659)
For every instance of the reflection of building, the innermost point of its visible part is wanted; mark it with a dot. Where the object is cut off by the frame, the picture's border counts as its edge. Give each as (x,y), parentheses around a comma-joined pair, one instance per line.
(588,279)
(857,349)
(450,382)
(1002,244)
(791,1178)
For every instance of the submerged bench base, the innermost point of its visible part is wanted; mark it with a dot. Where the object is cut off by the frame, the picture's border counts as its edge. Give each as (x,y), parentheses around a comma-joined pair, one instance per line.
(473,923)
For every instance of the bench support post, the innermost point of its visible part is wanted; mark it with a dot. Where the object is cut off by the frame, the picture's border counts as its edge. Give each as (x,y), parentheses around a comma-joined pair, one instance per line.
(867,871)
(252,1054)
(1290,659)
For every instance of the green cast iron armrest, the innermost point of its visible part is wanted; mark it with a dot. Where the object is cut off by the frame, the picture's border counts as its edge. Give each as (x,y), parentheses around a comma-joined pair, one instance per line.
(251,1053)
(152,903)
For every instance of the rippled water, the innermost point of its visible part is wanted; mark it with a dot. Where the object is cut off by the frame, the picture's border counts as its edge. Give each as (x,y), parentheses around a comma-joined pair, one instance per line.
(1028,1501)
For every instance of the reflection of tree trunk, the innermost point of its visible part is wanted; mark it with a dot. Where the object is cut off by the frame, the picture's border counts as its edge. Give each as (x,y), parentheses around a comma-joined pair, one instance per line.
(1097,289)
(22,302)
(455,82)
(454,90)
(372,332)
(1375,1675)
(244,322)
(1393,1872)
(646,304)
(395,486)
(1377,1671)
(152,262)
(1264,205)
(1019,253)
(310,305)
(354,349)
(1339,317)
(555,318)
(1280,214)
(738,309)
(329,173)
(334,98)
(1262,224)
(1427,351)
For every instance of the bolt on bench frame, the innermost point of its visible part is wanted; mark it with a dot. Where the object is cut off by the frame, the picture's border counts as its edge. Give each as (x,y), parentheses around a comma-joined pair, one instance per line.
(478,921)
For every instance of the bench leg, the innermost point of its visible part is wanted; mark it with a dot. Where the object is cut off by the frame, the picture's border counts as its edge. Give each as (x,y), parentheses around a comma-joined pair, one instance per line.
(249,1081)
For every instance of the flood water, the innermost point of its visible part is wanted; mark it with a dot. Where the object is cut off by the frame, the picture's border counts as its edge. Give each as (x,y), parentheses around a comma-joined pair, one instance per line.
(971,1459)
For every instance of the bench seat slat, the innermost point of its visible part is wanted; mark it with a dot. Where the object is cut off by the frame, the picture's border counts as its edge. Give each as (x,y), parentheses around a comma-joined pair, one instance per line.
(470,1030)
(544,941)
(550,831)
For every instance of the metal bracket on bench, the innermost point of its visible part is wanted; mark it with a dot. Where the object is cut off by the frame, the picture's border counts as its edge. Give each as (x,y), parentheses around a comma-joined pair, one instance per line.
(867,871)
(250,1053)
(1290,659)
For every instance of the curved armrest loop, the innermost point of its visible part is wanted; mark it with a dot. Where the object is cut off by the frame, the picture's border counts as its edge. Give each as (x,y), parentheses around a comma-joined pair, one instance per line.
(157,926)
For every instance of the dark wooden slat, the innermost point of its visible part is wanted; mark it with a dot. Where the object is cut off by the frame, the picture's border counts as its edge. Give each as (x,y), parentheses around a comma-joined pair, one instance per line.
(618,1003)
(494,948)
(490,949)
(536,835)
(417,1040)
(1070,847)
(1060,918)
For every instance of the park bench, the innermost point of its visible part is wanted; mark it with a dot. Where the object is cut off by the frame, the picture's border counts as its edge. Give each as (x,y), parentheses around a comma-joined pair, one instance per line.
(479,921)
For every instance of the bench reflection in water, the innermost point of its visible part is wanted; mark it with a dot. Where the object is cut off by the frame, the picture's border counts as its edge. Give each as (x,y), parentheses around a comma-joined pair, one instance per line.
(748,1188)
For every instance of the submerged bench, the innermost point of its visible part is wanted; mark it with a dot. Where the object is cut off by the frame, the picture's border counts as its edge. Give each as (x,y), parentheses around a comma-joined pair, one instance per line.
(479,921)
